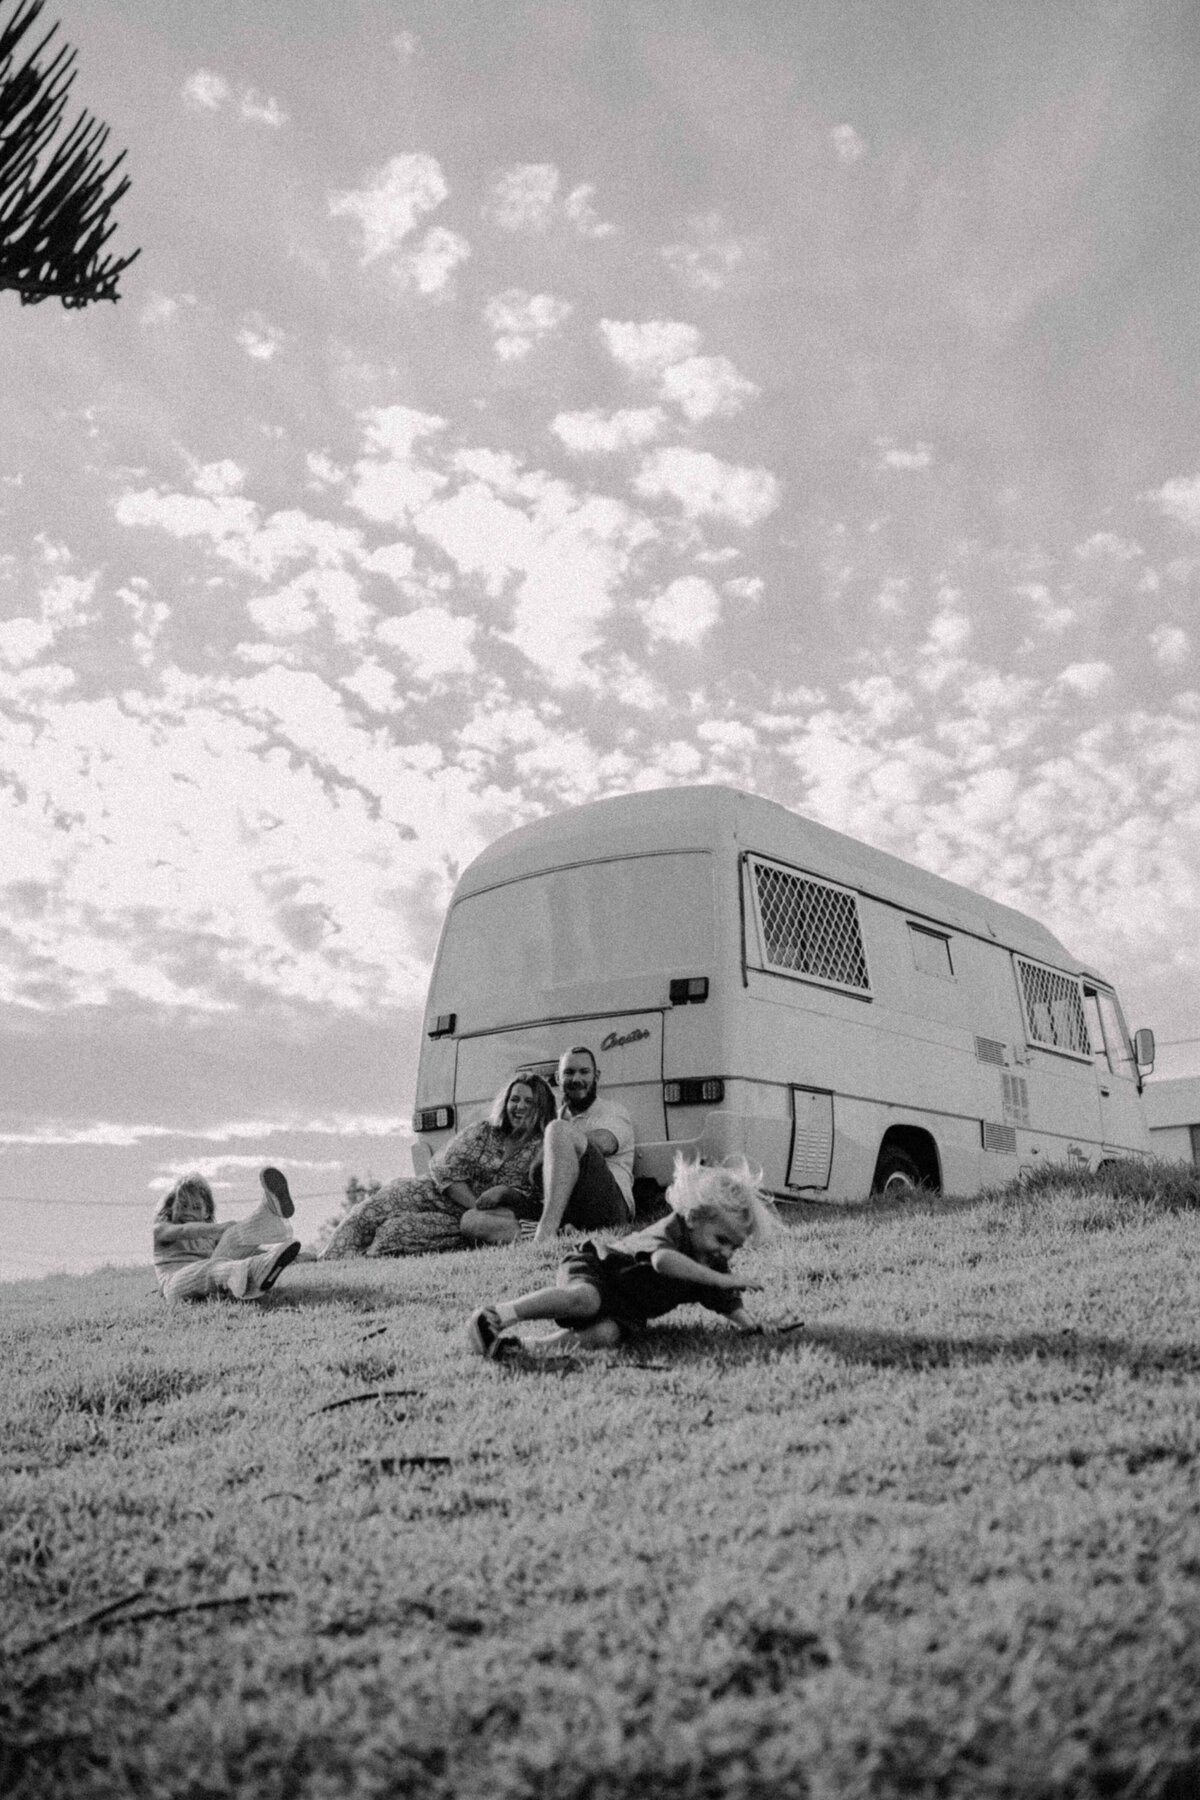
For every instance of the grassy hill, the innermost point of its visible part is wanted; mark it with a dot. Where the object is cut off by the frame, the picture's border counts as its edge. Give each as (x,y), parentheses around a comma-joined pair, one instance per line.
(943,1541)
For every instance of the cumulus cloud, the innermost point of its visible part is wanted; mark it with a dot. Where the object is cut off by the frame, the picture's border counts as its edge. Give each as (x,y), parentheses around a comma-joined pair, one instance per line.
(436,642)
(706,487)
(704,387)
(1051,614)
(522,197)
(207,91)
(665,352)
(745,587)
(849,146)
(1108,546)
(1180,500)
(433,262)
(1171,645)
(710,257)
(389,481)
(262,109)
(332,594)
(684,612)
(392,202)
(160,308)
(261,340)
(519,320)
(580,210)
(892,456)
(1087,678)
(605,434)
(649,347)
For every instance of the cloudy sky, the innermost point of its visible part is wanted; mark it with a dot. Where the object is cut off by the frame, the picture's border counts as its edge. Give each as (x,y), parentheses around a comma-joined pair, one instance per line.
(519,403)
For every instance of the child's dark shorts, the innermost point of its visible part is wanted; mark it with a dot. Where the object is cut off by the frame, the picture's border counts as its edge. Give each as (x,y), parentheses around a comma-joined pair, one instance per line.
(610,1276)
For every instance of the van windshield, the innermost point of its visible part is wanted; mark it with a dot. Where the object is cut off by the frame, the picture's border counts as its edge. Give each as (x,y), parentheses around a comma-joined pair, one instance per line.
(595,922)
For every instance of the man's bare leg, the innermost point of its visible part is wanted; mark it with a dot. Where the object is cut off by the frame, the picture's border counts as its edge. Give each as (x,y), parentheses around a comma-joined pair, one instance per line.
(560,1172)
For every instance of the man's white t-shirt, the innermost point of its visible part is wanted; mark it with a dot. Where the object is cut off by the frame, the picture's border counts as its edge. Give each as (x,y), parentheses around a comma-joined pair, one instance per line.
(606,1115)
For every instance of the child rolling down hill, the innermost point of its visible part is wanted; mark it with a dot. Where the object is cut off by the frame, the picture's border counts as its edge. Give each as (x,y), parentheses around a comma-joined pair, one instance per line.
(605,1292)
(195,1255)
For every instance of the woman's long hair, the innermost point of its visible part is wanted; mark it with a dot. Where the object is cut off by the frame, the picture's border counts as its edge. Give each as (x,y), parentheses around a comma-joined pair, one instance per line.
(545,1107)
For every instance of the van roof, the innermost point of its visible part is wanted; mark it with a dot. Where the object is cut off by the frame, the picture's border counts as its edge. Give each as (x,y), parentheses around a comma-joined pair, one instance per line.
(697,818)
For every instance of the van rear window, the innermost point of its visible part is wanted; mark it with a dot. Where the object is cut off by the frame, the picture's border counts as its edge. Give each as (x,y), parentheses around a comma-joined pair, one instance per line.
(808,927)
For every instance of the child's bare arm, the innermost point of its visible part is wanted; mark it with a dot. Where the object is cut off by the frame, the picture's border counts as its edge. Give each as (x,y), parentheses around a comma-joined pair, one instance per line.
(193,1233)
(684,1268)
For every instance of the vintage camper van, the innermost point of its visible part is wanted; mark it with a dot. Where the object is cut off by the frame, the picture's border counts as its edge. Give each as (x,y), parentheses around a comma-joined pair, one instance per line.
(752,982)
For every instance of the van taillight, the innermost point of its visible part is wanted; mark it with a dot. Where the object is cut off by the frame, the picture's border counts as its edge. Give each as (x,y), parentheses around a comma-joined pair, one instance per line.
(694,1093)
(443,1025)
(689,990)
(433,1118)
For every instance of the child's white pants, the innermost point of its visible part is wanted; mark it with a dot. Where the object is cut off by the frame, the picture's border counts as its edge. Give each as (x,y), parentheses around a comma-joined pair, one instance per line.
(241,1258)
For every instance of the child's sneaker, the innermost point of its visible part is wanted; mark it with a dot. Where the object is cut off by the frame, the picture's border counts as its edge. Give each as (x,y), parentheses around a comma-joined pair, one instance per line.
(275,1187)
(483,1334)
(273,1264)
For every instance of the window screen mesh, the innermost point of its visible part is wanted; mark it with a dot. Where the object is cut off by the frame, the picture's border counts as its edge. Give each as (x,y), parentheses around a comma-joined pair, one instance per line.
(810,929)
(1054,1008)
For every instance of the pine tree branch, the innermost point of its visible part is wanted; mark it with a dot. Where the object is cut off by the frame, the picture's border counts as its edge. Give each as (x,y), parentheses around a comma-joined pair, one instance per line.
(56,201)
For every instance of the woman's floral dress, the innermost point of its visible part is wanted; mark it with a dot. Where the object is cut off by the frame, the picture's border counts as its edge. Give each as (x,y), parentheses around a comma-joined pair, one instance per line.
(415,1214)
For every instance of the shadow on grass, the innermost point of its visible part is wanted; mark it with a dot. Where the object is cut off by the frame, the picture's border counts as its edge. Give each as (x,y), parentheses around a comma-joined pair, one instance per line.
(695,1346)
(348,1296)
(909,1350)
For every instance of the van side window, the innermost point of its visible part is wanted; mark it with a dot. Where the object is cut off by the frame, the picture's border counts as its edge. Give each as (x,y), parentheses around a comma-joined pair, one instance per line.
(1118,1051)
(1096,1029)
(1053,1003)
(930,951)
(809,927)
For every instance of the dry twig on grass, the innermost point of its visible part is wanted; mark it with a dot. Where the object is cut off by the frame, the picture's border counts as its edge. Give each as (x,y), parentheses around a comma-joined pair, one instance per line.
(372,1394)
(105,1616)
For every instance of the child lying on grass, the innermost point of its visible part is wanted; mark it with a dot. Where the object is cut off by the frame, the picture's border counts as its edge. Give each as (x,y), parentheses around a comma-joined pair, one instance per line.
(606,1292)
(196,1255)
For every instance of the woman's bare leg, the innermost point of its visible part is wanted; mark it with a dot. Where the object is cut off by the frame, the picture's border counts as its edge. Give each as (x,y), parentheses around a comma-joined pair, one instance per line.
(496,1225)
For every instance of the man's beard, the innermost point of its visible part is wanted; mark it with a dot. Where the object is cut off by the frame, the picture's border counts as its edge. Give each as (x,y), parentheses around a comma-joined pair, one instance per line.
(584,1100)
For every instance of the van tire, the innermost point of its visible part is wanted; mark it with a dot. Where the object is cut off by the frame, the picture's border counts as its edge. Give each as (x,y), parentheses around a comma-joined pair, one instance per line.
(896,1176)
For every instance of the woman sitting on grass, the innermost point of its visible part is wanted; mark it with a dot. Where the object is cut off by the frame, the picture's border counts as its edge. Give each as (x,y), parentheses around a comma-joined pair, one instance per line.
(196,1255)
(488,1163)
(604,1293)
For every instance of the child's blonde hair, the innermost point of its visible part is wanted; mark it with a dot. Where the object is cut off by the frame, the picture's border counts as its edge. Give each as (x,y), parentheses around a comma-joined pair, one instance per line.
(192,1187)
(728,1191)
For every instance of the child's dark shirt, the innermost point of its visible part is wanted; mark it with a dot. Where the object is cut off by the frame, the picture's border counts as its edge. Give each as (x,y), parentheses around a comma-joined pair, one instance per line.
(632,1290)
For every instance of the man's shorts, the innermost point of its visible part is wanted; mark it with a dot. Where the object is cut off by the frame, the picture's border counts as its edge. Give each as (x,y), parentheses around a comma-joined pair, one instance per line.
(596,1202)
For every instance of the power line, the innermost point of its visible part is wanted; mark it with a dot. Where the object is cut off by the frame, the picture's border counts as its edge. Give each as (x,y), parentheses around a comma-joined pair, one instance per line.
(141,1205)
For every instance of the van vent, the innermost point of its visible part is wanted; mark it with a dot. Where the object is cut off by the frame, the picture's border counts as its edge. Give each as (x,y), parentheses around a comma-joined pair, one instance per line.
(999,1137)
(990,1050)
(809,928)
(812,1139)
(1016,1099)
(1054,1008)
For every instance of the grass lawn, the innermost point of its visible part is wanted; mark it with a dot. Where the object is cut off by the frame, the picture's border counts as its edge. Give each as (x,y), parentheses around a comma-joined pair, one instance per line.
(943,1541)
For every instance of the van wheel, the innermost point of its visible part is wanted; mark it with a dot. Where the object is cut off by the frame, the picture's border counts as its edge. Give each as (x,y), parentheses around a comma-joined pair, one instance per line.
(896,1176)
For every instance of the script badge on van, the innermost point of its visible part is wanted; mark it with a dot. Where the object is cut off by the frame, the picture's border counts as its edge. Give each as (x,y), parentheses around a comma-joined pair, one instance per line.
(613,1042)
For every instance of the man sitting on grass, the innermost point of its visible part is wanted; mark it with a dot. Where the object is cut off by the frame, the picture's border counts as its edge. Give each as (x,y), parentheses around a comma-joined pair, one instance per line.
(605,1293)
(583,1176)
(195,1255)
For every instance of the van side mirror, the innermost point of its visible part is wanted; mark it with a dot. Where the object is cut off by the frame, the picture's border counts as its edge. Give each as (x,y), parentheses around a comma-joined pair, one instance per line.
(1143,1050)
